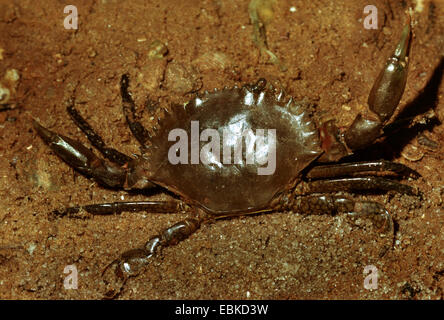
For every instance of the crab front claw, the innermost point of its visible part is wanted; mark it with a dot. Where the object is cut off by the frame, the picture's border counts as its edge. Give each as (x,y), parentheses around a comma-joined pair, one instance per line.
(383,100)
(107,173)
(384,96)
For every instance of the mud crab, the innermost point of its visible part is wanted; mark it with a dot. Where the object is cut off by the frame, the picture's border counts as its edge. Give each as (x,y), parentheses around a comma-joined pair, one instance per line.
(306,177)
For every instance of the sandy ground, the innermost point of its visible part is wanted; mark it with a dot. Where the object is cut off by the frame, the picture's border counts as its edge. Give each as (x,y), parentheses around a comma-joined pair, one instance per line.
(332,60)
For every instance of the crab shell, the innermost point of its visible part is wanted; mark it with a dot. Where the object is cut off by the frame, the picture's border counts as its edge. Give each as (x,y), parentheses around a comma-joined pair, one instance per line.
(231,188)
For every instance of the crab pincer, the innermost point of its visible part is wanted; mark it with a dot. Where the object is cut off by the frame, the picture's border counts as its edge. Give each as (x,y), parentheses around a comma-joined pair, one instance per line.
(384,96)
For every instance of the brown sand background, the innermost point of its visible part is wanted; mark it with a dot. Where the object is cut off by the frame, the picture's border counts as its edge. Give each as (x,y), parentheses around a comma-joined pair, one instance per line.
(332,60)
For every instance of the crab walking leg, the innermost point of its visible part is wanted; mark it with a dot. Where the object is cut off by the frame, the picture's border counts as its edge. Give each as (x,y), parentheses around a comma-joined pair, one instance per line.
(384,96)
(129,110)
(352,168)
(109,153)
(329,204)
(82,159)
(132,262)
(354,184)
(119,207)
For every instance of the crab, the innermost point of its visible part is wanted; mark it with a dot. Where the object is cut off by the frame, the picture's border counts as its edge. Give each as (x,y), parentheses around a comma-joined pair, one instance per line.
(307,176)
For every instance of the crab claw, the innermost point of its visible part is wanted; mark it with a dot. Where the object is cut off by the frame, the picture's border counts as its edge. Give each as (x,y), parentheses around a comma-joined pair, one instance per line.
(384,96)
(130,264)
(81,158)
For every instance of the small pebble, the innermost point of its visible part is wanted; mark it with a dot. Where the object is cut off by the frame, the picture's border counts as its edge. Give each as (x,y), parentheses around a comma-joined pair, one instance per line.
(12,76)
(150,75)
(8,85)
(419,5)
(91,52)
(428,143)
(5,94)
(265,11)
(58,58)
(31,248)
(178,79)
(212,61)
(157,50)
(412,153)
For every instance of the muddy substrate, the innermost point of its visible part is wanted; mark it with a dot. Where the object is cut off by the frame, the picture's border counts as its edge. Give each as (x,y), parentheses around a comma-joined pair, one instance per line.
(332,61)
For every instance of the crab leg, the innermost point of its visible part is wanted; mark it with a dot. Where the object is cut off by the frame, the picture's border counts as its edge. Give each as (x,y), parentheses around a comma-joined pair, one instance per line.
(132,262)
(328,204)
(384,96)
(352,168)
(129,110)
(109,153)
(172,206)
(354,184)
(82,159)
